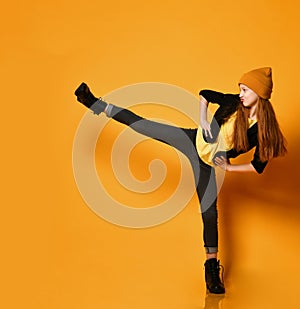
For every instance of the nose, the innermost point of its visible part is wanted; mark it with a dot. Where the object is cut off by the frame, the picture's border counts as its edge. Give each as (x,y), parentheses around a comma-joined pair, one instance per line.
(241,93)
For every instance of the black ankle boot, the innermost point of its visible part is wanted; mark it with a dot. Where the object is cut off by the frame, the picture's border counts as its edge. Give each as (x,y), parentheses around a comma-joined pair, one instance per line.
(85,96)
(212,277)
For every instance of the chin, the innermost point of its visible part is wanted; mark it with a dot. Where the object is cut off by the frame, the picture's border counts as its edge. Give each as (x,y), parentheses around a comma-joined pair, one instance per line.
(245,105)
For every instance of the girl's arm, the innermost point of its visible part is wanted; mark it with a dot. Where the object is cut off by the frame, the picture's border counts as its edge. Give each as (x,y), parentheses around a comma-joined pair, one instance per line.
(205,125)
(226,166)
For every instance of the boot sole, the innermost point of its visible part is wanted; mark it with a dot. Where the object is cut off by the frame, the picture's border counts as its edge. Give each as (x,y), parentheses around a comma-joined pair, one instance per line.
(209,291)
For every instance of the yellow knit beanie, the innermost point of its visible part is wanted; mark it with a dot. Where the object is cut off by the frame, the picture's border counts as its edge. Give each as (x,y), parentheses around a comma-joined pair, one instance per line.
(260,81)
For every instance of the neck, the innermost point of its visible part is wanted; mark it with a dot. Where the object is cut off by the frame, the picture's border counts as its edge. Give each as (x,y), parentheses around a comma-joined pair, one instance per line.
(252,112)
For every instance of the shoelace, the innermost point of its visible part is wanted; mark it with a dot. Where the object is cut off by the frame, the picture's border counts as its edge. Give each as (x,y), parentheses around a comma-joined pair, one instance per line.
(215,271)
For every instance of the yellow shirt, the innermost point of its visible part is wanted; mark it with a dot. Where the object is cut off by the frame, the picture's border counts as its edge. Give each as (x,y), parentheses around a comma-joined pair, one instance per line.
(223,142)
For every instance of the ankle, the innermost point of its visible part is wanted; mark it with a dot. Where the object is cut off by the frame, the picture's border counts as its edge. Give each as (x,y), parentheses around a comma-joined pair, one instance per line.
(108,110)
(99,106)
(211,256)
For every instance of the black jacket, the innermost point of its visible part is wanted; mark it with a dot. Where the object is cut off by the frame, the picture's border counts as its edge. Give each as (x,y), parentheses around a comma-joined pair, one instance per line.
(228,104)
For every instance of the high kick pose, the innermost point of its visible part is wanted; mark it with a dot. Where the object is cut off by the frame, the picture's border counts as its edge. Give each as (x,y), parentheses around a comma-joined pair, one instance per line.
(241,122)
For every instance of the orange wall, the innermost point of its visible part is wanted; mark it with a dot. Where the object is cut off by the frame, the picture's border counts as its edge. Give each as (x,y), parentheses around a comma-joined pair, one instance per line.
(56,253)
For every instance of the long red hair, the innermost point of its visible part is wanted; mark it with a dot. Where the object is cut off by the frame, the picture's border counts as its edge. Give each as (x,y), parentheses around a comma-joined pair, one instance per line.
(271,141)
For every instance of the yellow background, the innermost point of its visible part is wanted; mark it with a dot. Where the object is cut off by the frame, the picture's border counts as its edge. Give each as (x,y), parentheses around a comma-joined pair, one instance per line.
(55,252)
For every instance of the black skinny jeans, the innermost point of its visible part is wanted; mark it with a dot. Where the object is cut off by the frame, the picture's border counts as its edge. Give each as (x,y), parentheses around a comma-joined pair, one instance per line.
(184,140)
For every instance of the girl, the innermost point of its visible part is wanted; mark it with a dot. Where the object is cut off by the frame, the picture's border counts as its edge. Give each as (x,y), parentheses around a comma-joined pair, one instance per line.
(241,122)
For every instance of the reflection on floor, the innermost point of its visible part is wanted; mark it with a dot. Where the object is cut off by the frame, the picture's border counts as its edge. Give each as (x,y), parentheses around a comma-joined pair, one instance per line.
(213,301)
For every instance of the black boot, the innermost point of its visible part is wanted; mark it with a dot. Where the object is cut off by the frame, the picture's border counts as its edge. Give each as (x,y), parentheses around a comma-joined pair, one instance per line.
(85,97)
(212,277)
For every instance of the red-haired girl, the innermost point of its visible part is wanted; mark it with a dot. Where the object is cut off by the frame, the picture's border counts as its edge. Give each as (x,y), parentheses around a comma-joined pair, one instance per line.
(242,121)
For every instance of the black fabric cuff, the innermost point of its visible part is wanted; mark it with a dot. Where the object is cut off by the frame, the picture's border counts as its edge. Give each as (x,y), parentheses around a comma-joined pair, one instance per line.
(259,166)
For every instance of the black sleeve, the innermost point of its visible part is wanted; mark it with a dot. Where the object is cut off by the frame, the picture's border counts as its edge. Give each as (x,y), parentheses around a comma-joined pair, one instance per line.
(212,96)
(218,97)
(257,163)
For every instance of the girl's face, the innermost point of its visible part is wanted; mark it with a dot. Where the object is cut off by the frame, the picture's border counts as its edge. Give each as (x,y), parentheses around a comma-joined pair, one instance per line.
(247,96)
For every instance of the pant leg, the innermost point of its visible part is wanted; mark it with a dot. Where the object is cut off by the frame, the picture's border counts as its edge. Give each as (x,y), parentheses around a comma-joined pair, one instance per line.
(185,141)
(168,134)
(207,194)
